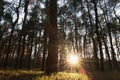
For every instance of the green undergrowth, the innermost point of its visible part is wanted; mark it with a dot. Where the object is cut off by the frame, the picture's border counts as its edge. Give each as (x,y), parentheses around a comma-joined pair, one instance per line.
(18,74)
(63,76)
(39,75)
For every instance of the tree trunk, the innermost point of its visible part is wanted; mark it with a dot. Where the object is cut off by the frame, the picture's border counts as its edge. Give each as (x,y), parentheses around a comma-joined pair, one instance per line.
(112,49)
(117,45)
(52,59)
(98,36)
(107,52)
(45,37)
(93,39)
(45,49)
(23,34)
(10,38)
(22,53)
(29,54)
(18,52)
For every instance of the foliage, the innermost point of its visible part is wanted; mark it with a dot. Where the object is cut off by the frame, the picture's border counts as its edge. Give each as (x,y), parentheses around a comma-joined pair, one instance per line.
(39,75)
(64,76)
(18,74)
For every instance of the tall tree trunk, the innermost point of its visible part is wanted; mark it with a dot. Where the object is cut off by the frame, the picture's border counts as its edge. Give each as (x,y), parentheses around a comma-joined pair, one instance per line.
(45,49)
(98,36)
(105,15)
(84,45)
(112,49)
(107,52)
(45,37)
(2,44)
(3,53)
(93,39)
(76,30)
(35,53)
(22,53)
(10,38)
(22,35)
(29,54)
(52,59)
(18,52)
(117,45)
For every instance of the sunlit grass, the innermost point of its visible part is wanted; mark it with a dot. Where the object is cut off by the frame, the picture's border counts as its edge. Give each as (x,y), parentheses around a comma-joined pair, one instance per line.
(18,72)
(64,76)
(38,75)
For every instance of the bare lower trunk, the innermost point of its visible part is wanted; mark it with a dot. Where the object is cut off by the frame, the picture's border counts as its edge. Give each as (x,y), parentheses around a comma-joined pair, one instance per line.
(52,59)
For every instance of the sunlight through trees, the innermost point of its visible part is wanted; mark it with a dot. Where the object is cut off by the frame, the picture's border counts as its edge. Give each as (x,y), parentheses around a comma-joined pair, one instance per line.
(42,34)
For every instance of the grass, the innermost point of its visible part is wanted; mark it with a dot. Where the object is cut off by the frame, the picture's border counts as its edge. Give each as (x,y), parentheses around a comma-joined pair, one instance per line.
(38,75)
(18,74)
(63,76)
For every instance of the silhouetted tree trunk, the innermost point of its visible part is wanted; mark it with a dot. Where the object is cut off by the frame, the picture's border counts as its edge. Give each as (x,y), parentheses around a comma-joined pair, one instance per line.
(35,53)
(98,36)
(52,59)
(112,49)
(75,25)
(21,61)
(18,52)
(84,45)
(45,22)
(105,15)
(29,54)
(10,38)
(93,38)
(107,52)
(117,45)
(23,35)
(2,3)
(2,48)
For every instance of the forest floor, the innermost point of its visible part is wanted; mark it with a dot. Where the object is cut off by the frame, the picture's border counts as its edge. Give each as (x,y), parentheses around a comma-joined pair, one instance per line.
(38,75)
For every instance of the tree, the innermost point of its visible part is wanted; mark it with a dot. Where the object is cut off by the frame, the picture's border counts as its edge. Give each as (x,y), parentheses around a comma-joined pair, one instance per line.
(22,37)
(93,37)
(98,35)
(2,3)
(52,58)
(11,34)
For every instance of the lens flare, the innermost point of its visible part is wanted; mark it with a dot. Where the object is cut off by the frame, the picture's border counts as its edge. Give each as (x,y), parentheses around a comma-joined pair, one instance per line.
(73,59)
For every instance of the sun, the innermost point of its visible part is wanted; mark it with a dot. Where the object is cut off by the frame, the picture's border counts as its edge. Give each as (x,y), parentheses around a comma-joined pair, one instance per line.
(73,59)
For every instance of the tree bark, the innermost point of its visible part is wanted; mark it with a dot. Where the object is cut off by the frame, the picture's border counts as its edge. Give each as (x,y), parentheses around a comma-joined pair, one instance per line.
(93,39)
(112,49)
(45,38)
(10,39)
(52,59)
(98,36)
